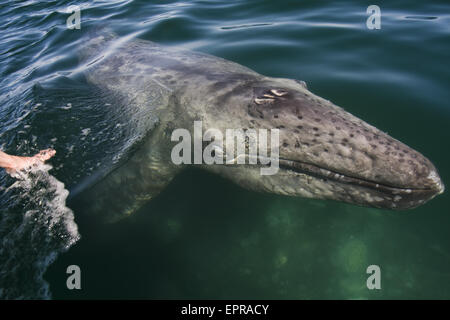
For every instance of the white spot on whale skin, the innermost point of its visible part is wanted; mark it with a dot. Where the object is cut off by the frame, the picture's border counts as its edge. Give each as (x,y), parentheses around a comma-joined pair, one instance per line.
(433,176)
(278,93)
(261,101)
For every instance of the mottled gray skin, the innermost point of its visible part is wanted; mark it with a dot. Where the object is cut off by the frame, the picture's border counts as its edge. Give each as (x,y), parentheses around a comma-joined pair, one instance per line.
(325,152)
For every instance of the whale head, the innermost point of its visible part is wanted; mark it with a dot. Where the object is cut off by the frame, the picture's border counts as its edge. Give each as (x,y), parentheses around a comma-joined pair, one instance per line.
(324,151)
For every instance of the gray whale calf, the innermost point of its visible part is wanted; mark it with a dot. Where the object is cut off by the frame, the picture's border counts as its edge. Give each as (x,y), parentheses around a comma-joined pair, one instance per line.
(325,152)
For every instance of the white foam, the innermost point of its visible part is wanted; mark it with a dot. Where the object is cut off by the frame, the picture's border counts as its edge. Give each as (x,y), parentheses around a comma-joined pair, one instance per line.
(67,107)
(86,131)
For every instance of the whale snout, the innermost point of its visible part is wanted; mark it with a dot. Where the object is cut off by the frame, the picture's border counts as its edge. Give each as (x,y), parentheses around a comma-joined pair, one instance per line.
(419,187)
(434,181)
(427,188)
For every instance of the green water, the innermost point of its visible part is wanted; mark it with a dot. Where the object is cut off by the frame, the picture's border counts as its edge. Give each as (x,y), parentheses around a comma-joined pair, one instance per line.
(205,237)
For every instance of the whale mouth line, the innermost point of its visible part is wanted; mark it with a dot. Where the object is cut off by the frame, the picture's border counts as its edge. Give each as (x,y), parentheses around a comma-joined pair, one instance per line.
(327,174)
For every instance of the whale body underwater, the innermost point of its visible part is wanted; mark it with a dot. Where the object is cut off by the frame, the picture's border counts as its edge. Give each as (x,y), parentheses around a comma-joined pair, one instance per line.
(324,153)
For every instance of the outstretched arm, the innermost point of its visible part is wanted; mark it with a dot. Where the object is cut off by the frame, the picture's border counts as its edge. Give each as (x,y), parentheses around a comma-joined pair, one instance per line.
(15,163)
